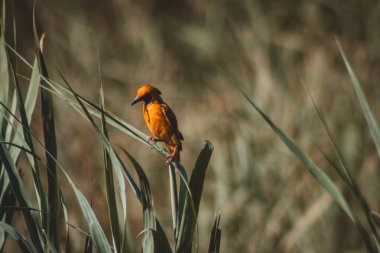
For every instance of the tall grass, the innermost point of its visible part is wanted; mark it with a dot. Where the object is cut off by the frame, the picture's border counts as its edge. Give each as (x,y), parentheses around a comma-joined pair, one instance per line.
(45,233)
(269,202)
(369,233)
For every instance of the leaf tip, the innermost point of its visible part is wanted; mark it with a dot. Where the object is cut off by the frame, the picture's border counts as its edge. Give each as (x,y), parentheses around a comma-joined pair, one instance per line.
(42,41)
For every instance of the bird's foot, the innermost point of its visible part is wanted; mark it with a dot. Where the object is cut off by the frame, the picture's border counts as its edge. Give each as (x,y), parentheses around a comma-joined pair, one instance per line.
(170,158)
(152,138)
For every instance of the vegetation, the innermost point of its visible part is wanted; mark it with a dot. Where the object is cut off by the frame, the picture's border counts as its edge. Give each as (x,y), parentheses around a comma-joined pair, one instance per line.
(67,182)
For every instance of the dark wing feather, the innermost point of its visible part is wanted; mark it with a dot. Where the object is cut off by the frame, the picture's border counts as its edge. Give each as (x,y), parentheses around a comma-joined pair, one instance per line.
(171,118)
(180,135)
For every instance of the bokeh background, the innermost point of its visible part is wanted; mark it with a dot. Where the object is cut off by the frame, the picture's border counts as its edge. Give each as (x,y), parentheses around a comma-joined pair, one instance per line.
(197,52)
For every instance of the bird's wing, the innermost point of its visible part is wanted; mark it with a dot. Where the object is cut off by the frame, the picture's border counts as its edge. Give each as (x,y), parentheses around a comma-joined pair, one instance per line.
(171,119)
(146,115)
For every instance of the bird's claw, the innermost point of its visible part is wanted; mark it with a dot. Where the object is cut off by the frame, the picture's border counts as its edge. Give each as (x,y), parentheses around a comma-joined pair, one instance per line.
(170,158)
(152,138)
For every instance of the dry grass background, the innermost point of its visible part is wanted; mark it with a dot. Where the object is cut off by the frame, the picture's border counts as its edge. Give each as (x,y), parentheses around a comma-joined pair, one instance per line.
(195,52)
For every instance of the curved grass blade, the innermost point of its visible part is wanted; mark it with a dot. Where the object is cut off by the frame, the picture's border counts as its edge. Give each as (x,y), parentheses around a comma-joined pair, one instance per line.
(352,184)
(110,188)
(192,202)
(72,98)
(317,173)
(29,105)
(160,242)
(147,204)
(26,111)
(97,234)
(4,126)
(24,244)
(20,193)
(33,227)
(139,197)
(345,174)
(47,112)
(372,123)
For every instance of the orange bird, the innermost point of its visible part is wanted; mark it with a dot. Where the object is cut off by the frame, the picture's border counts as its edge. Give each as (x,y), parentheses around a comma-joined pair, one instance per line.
(160,120)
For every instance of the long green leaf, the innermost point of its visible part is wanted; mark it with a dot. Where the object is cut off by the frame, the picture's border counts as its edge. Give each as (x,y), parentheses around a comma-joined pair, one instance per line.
(147,204)
(66,94)
(4,93)
(97,234)
(22,242)
(184,189)
(98,237)
(191,208)
(33,227)
(96,231)
(320,176)
(139,197)
(372,123)
(344,173)
(4,80)
(29,105)
(47,112)
(173,199)
(110,188)
(21,196)
(317,173)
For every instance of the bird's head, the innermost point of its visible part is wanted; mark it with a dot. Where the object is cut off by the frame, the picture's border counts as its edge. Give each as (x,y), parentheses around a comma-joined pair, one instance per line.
(146,93)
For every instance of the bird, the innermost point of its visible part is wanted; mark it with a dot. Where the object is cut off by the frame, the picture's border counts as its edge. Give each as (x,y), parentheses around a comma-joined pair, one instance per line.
(161,120)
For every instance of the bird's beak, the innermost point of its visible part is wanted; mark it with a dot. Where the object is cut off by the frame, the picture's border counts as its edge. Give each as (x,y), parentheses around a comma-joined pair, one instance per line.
(137,99)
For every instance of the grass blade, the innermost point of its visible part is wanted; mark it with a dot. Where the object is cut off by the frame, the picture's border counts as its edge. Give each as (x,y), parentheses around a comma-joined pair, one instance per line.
(372,123)
(24,244)
(184,189)
(191,208)
(29,105)
(216,234)
(344,172)
(8,134)
(33,227)
(317,173)
(47,112)
(110,188)
(147,204)
(173,199)
(97,234)
(20,193)
(138,194)
(4,80)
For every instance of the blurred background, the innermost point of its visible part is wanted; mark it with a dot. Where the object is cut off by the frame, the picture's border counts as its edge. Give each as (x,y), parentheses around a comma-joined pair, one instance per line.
(196,52)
